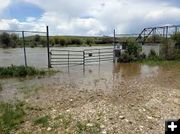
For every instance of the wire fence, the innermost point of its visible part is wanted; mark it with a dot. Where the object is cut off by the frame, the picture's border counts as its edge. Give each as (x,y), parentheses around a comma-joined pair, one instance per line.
(24,42)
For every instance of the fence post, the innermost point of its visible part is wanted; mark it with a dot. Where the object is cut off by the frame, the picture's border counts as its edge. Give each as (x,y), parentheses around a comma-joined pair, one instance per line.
(24,45)
(176,29)
(84,62)
(68,58)
(83,58)
(167,30)
(48,50)
(114,43)
(99,56)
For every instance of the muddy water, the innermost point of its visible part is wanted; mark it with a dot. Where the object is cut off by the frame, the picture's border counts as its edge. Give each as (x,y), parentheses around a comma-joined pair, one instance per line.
(103,76)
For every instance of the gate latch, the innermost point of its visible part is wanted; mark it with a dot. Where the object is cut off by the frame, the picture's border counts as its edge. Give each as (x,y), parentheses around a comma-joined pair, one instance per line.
(90,54)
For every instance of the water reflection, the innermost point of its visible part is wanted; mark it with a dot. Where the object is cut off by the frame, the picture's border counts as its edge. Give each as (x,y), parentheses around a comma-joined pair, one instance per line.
(134,70)
(118,71)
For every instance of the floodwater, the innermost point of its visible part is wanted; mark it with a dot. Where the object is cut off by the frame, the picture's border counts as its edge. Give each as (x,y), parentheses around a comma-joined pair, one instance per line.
(37,57)
(104,75)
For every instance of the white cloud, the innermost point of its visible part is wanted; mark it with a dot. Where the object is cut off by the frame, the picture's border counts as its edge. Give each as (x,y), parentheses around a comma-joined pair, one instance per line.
(98,17)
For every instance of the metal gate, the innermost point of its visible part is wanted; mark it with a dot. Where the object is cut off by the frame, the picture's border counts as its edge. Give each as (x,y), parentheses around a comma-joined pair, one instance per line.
(59,57)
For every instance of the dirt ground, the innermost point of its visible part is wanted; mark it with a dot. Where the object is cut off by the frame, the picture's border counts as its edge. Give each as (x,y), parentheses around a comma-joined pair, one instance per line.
(114,102)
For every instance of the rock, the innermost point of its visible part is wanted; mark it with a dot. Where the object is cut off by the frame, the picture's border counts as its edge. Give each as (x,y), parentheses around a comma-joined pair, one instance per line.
(122,117)
(89,125)
(141,128)
(130,122)
(54,110)
(68,110)
(49,129)
(149,117)
(111,118)
(104,132)
(102,126)
(144,110)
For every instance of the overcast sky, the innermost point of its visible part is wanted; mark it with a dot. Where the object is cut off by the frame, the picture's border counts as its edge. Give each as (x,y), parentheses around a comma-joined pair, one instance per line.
(88,17)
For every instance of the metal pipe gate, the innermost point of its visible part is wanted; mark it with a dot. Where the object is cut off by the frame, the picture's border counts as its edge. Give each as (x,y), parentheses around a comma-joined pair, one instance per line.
(59,57)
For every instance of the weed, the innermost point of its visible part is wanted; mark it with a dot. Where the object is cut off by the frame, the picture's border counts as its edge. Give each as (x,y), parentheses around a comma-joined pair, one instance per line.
(19,71)
(65,120)
(44,121)
(1,88)
(11,116)
(88,128)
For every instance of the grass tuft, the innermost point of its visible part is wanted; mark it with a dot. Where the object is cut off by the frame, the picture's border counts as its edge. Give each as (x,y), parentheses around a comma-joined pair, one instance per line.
(20,71)
(11,116)
(82,128)
(1,88)
(44,121)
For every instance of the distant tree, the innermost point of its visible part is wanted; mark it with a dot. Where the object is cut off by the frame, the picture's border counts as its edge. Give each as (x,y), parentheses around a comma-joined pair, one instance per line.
(5,39)
(52,43)
(37,39)
(89,42)
(56,40)
(76,41)
(62,42)
(43,42)
(14,40)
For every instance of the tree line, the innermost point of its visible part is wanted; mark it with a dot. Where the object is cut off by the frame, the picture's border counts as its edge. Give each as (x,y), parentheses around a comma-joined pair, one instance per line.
(14,40)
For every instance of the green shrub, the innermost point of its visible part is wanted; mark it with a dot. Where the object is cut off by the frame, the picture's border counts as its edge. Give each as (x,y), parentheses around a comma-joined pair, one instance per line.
(133,49)
(177,54)
(176,37)
(20,71)
(83,128)
(5,39)
(152,55)
(76,41)
(11,116)
(132,52)
(62,42)
(44,121)
(1,88)
(89,42)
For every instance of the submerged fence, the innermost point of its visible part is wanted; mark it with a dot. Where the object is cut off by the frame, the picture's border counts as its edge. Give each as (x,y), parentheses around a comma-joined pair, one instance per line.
(85,57)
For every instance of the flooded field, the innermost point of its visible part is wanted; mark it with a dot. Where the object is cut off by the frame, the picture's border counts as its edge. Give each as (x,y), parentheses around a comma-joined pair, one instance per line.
(103,98)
